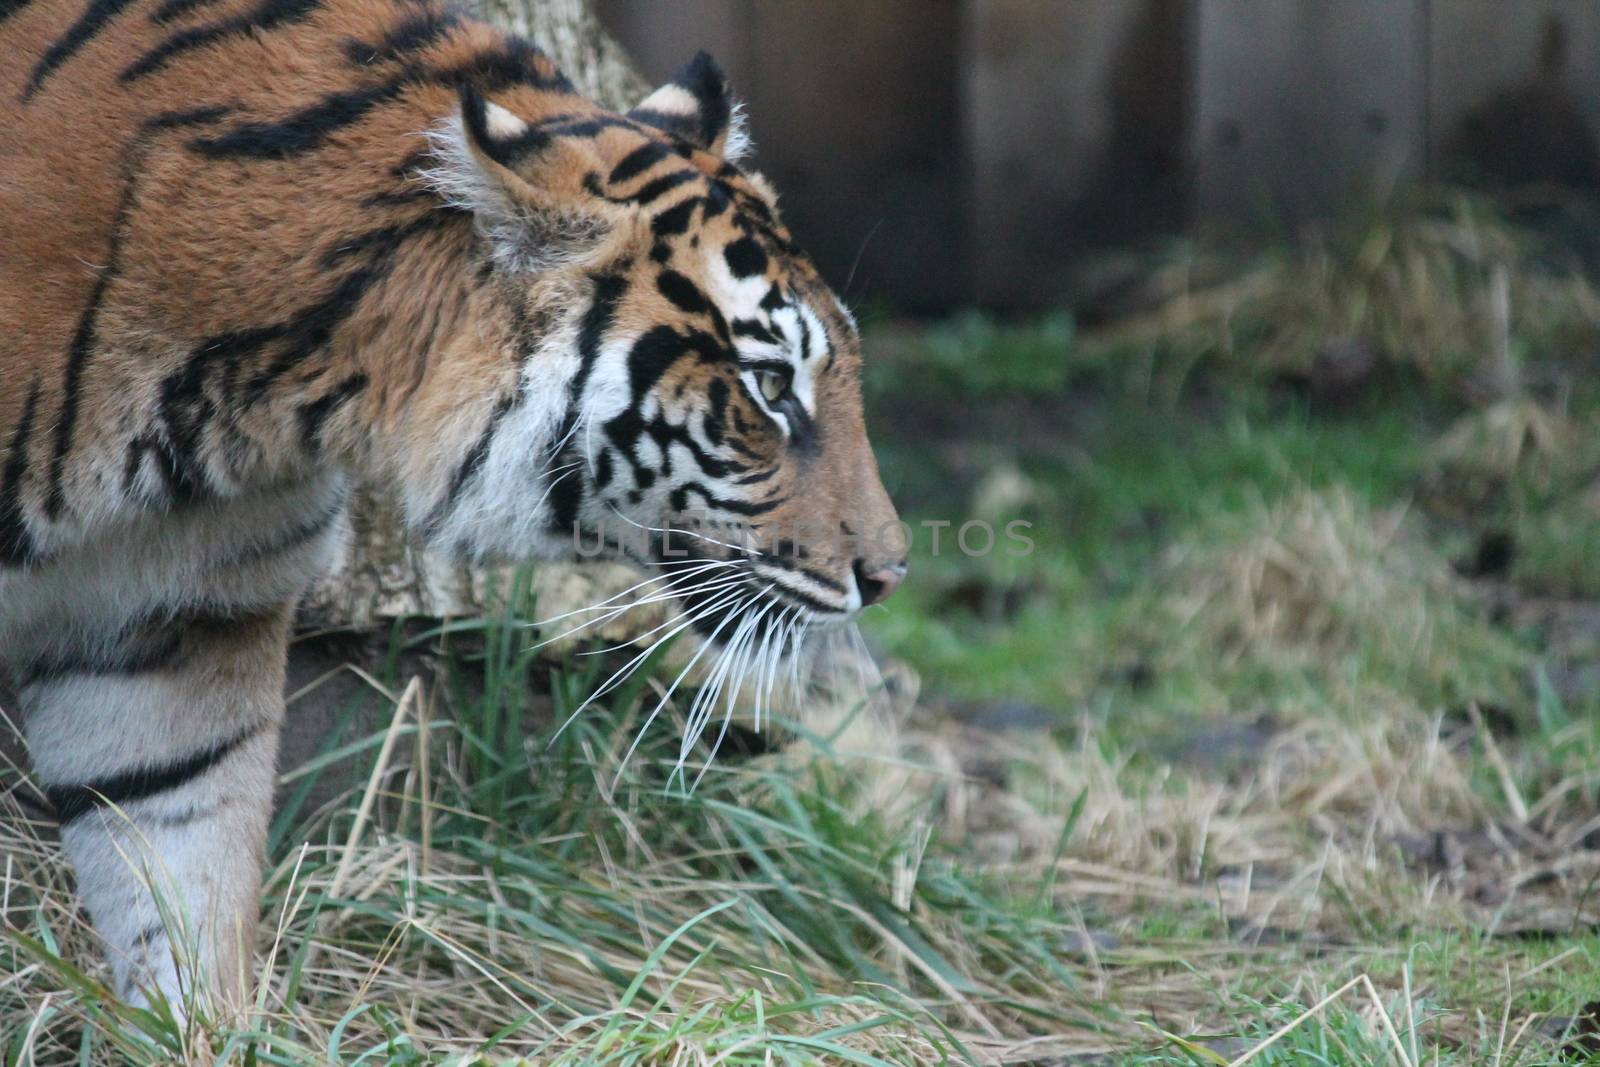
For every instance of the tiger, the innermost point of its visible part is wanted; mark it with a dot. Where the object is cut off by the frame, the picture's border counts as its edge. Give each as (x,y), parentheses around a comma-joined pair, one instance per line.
(254,253)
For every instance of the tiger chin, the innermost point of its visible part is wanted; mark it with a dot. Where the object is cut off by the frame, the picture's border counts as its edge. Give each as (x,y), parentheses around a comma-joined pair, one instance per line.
(252,251)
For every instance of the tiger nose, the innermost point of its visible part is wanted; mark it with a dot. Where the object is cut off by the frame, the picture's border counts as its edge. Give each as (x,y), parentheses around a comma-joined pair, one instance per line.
(877,581)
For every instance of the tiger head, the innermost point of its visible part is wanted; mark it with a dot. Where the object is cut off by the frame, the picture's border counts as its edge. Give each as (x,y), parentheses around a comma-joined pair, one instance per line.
(711,417)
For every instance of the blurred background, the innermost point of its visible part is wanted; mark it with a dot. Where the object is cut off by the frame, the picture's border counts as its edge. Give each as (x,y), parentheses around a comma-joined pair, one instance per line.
(1278,320)
(1169,277)
(975,152)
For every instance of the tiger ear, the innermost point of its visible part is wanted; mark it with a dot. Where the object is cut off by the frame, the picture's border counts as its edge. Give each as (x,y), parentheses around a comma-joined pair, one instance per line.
(529,191)
(697,106)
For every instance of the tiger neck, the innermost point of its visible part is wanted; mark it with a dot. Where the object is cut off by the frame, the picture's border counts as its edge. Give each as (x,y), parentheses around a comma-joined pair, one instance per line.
(471,378)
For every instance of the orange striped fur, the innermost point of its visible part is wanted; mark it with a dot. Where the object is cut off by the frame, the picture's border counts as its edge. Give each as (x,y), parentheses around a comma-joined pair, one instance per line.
(252,251)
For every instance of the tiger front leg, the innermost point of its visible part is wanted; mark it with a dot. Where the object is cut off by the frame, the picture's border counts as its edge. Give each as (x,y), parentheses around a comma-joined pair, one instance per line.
(157,751)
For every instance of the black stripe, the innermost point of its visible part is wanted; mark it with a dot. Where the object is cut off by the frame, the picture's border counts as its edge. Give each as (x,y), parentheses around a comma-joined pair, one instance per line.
(638,161)
(412,34)
(16,544)
(516,62)
(537,136)
(304,131)
(310,330)
(573,126)
(286,540)
(150,642)
(72,802)
(194,116)
(265,16)
(78,355)
(468,468)
(715,422)
(11,7)
(656,351)
(402,198)
(153,640)
(172,10)
(96,17)
(680,501)
(187,409)
(758,477)
(608,293)
(658,188)
(800,595)
(682,292)
(84,338)
(314,414)
(383,241)
(684,127)
(733,443)
(675,219)
(135,459)
(805,333)
(746,258)
(566,495)
(180,482)
(821,579)
(756,329)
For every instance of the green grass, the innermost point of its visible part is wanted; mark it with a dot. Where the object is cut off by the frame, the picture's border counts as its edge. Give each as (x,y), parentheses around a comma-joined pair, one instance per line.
(1278,733)
(1101,513)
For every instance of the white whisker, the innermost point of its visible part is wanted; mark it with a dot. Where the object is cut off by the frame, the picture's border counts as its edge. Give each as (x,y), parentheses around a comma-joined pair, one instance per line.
(671,591)
(609,605)
(668,531)
(682,674)
(699,708)
(740,673)
(798,639)
(570,469)
(866,666)
(779,630)
(763,657)
(709,587)
(628,668)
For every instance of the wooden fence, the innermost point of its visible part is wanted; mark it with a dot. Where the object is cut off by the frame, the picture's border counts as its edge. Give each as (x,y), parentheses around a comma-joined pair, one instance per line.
(943,152)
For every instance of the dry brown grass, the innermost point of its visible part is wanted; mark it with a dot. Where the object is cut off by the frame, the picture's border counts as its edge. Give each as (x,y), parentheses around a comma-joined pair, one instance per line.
(890,887)
(1452,293)
(1338,832)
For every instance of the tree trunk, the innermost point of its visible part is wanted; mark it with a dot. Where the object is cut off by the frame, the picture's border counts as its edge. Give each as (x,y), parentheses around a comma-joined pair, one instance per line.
(384,574)
(569,31)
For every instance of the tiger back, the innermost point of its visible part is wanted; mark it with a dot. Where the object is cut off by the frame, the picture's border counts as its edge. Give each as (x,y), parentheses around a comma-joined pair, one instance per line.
(254,251)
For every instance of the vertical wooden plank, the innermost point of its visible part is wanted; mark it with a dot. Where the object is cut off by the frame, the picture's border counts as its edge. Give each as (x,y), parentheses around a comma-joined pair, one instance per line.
(856,115)
(1076,133)
(1305,106)
(660,35)
(855,112)
(1515,89)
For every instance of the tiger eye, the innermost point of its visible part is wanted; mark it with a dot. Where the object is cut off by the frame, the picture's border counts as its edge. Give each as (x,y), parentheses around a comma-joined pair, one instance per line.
(774,384)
